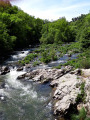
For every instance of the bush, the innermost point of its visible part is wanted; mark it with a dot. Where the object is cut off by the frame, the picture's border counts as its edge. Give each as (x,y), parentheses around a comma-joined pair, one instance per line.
(81,116)
(48,55)
(85,63)
(82,95)
(21,62)
(28,58)
(36,63)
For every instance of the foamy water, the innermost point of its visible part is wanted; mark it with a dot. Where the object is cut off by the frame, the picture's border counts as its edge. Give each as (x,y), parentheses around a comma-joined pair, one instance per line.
(22,100)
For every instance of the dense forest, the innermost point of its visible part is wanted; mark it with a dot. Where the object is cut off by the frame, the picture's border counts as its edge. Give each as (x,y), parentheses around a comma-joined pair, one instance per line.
(19,30)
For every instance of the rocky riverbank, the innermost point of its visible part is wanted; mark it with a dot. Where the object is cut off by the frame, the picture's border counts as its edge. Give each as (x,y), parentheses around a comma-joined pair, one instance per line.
(67,87)
(66,84)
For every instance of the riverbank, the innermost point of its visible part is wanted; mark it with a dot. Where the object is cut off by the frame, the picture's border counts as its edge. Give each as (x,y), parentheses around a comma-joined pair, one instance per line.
(66,81)
(70,89)
(67,86)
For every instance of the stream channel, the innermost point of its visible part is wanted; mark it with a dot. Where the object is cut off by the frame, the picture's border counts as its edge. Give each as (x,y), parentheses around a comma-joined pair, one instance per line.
(26,100)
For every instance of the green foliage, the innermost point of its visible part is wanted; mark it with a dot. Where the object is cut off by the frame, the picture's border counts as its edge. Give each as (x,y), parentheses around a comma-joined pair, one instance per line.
(82,95)
(22,62)
(6,41)
(82,30)
(48,54)
(57,32)
(28,58)
(17,28)
(36,63)
(85,63)
(82,61)
(45,57)
(81,116)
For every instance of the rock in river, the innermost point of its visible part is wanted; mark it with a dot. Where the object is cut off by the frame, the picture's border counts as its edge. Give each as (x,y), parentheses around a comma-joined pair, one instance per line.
(67,85)
(4,70)
(45,75)
(20,69)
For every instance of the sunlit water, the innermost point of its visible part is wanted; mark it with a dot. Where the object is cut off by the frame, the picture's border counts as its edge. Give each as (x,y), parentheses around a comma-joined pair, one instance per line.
(24,100)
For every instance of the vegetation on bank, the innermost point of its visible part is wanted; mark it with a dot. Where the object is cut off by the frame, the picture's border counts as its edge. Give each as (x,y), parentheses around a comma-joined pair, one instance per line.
(57,38)
(17,28)
(81,96)
(82,115)
(82,61)
(28,58)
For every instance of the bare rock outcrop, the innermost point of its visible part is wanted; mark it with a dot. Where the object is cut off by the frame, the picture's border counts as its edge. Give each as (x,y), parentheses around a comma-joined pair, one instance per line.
(68,87)
(45,75)
(86,79)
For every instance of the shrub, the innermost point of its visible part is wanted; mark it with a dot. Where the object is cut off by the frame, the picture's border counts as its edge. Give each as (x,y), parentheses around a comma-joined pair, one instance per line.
(81,116)
(85,63)
(28,58)
(82,95)
(36,63)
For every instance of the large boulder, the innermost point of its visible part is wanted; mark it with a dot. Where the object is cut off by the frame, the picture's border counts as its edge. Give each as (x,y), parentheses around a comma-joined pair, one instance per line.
(86,79)
(66,93)
(67,89)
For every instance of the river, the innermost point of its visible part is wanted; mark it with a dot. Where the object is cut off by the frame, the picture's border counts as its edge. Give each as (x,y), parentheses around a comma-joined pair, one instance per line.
(25,100)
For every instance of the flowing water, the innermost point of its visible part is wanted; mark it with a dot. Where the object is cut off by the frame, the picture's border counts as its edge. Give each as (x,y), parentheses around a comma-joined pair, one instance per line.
(25,100)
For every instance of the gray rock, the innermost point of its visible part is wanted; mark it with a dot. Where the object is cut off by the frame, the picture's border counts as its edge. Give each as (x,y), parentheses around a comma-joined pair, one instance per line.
(5,70)
(54,83)
(20,69)
(76,72)
(66,93)
(22,52)
(67,85)
(86,78)
(21,76)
